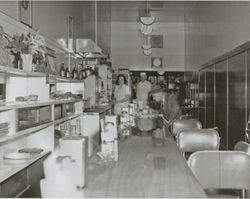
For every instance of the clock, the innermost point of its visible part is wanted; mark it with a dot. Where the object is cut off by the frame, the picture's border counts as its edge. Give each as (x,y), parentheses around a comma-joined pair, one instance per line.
(156,61)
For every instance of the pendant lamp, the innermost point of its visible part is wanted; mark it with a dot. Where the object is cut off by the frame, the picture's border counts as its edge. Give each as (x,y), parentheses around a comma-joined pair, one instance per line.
(146,48)
(147,22)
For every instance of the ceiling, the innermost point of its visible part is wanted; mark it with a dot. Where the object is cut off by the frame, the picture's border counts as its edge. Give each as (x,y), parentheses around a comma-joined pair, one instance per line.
(164,11)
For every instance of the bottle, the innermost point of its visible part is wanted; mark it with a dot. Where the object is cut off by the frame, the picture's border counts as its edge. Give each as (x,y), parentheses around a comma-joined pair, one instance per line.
(75,74)
(80,77)
(62,71)
(72,73)
(67,73)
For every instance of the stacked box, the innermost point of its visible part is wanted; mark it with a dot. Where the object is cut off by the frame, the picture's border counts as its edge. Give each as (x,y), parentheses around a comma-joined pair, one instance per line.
(125,116)
(131,114)
(110,149)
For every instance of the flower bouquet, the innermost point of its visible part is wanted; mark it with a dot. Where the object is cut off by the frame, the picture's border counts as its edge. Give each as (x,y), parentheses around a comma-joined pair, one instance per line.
(24,46)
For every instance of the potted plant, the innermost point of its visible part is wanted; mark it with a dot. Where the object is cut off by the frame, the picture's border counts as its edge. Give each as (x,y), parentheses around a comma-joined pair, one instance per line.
(24,46)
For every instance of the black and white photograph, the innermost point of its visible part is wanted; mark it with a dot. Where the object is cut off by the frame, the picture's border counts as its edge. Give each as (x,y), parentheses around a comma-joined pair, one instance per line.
(124,99)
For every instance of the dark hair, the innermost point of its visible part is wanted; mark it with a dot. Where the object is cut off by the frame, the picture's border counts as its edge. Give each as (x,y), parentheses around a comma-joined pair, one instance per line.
(117,80)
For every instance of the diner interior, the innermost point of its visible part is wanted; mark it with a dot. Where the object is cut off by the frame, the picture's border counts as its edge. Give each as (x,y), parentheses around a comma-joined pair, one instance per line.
(124,99)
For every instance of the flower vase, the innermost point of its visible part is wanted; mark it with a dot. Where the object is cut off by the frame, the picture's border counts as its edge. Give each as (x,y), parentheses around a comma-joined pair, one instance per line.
(27,61)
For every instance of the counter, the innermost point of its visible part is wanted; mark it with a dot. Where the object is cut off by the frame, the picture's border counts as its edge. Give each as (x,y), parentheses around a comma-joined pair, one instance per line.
(21,178)
(142,171)
(91,120)
(9,168)
(97,110)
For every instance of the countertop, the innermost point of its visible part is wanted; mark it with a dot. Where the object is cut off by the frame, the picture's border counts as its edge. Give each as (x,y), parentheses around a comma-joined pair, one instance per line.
(142,171)
(9,168)
(97,110)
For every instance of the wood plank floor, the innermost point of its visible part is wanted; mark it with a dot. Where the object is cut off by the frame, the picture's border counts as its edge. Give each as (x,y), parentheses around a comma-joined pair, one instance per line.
(143,171)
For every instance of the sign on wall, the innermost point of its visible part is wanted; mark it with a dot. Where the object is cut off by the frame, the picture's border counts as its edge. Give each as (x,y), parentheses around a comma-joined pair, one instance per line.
(156,41)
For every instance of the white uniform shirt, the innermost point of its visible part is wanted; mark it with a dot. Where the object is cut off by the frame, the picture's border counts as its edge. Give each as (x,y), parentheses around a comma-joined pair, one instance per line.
(143,89)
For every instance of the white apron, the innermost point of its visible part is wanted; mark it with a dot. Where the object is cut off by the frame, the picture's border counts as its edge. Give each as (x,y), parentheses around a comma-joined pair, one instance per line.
(120,93)
(143,89)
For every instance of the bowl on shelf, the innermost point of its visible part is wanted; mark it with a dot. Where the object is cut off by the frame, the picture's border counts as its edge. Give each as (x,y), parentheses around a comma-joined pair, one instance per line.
(16,156)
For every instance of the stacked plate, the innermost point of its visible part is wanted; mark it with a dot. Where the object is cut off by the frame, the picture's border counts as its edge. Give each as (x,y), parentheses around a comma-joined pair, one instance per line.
(4,128)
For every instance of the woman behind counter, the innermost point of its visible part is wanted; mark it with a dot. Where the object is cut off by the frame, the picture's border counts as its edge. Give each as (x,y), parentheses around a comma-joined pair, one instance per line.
(122,94)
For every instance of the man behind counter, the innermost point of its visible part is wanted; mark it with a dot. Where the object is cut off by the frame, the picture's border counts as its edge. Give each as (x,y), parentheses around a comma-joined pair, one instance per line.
(143,88)
(167,103)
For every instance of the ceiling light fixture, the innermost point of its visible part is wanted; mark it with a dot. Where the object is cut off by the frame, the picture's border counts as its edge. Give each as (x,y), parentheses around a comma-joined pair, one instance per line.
(146,25)
(146,48)
(147,22)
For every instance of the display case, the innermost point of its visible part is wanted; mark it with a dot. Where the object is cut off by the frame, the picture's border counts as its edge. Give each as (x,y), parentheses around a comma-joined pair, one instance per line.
(33,116)
(58,111)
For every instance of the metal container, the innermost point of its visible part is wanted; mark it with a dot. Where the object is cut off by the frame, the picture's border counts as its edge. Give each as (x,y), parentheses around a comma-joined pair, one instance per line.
(146,122)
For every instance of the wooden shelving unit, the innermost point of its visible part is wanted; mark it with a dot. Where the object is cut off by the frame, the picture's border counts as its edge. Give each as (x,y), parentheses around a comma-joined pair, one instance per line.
(26,132)
(8,71)
(56,78)
(69,117)
(16,105)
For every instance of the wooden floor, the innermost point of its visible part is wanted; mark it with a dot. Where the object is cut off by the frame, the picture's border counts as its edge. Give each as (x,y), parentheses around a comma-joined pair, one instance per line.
(143,171)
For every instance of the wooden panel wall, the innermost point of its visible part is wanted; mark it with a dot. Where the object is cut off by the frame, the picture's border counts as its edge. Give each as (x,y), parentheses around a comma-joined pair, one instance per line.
(224,90)
(210,97)
(221,100)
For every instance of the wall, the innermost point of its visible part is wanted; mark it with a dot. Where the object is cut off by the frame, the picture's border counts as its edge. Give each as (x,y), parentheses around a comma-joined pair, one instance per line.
(213,28)
(126,42)
(50,17)
(104,26)
(10,8)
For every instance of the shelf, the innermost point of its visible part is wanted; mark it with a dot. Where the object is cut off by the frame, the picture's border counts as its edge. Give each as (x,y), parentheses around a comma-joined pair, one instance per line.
(57,78)
(16,105)
(62,101)
(20,73)
(184,107)
(69,117)
(25,132)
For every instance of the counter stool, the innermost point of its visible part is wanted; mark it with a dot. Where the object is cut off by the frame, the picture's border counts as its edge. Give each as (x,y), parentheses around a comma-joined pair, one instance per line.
(221,170)
(242,146)
(245,147)
(192,140)
(181,124)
